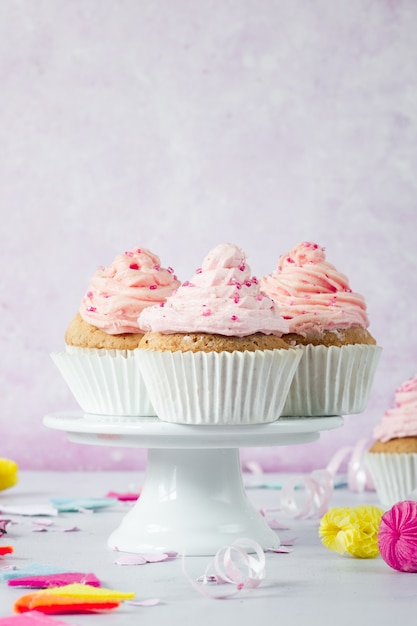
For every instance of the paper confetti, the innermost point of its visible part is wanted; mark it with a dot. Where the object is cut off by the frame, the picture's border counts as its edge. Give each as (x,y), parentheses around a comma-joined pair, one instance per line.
(73,598)
(34,569)
(55,580)
(124,497)
(55,529)
(75,505)
(141,559)
(32,618)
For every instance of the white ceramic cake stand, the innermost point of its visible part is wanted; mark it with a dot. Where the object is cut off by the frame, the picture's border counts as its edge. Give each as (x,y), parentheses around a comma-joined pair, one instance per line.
(193,500)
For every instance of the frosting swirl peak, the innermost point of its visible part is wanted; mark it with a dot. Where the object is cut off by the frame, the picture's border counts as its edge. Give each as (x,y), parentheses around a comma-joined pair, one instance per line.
(221,298)
(118,293)
(312,294)
(401,419)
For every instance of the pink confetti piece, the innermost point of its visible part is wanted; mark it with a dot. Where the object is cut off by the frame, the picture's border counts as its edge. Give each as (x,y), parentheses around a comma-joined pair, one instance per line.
(281,550)
(275,525)
(130,559)
(58,529)
(234,565)
(123,497)
(32,618)
(142,559)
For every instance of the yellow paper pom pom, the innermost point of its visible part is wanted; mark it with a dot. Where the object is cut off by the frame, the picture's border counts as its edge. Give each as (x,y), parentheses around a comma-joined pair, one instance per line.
(8,473)
(352,531)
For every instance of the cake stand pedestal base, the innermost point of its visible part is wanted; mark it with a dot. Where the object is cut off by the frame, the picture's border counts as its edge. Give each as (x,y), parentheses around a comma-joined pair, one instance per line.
(192,502)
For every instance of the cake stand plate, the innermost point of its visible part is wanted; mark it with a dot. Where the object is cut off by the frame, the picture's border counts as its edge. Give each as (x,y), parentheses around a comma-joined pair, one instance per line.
(193,500)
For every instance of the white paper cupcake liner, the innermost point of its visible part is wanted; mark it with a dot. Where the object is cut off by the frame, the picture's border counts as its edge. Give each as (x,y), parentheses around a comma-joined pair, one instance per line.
(332,380)
(210,388)
(105,382)
(394,475)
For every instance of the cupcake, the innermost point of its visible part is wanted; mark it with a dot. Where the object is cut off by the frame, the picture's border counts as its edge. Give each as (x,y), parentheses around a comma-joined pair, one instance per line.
(330,324)
(214,352)
(100,362)
(392,457)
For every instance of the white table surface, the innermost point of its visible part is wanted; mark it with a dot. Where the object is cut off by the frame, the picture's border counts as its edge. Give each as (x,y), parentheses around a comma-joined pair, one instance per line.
(311,585)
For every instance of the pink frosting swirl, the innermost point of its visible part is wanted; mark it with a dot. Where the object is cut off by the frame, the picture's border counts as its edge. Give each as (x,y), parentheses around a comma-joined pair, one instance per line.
(311,294)
(118,293)
(401,419)
(221,298)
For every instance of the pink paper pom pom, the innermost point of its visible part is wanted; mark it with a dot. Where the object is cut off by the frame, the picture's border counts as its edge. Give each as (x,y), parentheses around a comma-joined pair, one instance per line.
(397,536)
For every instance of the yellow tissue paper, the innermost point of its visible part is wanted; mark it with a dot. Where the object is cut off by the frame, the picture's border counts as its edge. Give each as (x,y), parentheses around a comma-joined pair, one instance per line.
(352,531)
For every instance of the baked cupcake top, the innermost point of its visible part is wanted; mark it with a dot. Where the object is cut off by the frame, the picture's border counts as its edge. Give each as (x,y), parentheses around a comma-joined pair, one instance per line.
(118,293)
(312,294)
(401,419)
(221,298)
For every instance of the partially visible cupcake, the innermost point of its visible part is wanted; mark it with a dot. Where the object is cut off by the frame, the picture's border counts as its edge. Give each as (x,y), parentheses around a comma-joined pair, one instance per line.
(330,322)
(100,362)
(392,457)
(214,352)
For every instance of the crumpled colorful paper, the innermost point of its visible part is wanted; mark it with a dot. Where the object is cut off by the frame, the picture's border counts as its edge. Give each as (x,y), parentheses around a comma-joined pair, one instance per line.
(73,598)
(352,531)
(8,473)
(397,537)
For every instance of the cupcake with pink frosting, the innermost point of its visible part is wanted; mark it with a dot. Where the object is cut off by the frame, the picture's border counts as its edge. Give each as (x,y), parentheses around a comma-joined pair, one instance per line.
(392,457)
(214,352)
(100,361)
(330,323)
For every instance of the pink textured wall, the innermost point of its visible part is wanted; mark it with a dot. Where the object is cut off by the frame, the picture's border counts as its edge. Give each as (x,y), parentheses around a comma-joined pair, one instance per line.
(175,125)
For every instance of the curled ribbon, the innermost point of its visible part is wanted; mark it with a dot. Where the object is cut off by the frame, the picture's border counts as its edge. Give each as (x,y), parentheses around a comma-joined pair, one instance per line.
(318,489)
(234,565)
(318,486)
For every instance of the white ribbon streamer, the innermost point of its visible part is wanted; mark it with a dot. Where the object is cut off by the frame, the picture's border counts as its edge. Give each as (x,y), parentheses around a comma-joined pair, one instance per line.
(234,565)
(318,486)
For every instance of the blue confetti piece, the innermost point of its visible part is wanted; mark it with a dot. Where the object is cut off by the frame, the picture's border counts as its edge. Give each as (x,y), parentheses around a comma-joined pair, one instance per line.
(74,505)
(34,569)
